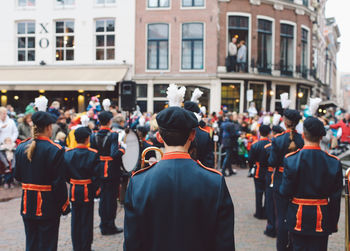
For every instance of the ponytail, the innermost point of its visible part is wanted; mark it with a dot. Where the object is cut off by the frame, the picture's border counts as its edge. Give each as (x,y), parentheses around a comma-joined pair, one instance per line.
(292,146)
(31,147)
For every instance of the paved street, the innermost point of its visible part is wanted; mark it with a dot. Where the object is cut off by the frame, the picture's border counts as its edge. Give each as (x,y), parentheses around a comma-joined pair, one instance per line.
(248,230)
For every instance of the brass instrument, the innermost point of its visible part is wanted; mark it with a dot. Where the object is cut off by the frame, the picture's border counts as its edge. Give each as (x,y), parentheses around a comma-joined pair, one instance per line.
(143,155)
(347,230)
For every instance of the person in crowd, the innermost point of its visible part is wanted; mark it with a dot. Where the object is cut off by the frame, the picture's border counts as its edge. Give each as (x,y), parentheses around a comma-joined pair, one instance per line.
(7,149)
(61,139)
(60,126)
(142,132)
(40,168)
(227,136)
(312,184)
(8,128)
(282,144)
(242,150)
(257,159)
(105,141)
(82,174)
(242,56)
(54,109)
(326,141)
(344,124)
(232,55)
(25,128)
(199,210)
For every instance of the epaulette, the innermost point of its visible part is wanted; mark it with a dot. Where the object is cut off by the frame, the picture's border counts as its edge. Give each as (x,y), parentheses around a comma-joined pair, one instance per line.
(209,169)
(92,150)
(292,153)
(57,145)
(69,149)
(330,155)
(143,170)
(204,130)
(149,142)
(267,145)
(255,141)
(25,140)
(279,134)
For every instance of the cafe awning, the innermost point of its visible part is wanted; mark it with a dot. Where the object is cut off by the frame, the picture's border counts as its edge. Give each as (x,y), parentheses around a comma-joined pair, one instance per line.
(62,78)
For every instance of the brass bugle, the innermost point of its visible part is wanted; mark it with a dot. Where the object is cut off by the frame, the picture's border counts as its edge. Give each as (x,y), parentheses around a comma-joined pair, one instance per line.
(347,230)
(148,149)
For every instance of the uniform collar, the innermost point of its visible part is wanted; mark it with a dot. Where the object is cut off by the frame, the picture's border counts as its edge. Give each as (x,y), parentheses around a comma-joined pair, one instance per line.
(43,138)
(176,155)
(105,128)
(265,138)
(82,147)
(311,148)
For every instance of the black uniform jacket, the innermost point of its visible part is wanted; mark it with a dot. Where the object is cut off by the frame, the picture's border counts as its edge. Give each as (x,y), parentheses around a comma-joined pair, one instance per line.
(110,153)
(204,147)
(279,149)
(178,204)
(82,173)
(44,193)
(257,156)
(313,182)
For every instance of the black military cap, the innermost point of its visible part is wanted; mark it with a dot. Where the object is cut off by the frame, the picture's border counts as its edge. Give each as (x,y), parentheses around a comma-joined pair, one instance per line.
(104,117)
(176,119)
(191,106)
(82,133)
(292,115)
(264,130)
(142,129)
(43,119)
(315,127)
(277,129)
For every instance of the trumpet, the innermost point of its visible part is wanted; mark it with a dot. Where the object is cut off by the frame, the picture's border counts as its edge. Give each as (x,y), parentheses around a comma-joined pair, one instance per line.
(347,230)
(143,155)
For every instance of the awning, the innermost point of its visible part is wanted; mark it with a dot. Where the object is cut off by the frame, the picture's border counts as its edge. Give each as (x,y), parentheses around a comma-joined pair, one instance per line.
(62,78)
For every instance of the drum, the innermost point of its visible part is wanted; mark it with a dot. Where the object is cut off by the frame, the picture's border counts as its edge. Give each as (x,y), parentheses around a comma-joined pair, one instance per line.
(132,154)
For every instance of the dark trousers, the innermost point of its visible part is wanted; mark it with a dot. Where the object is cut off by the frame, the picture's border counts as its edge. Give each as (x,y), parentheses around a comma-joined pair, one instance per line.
(41,234)
(259,193)
(270,206)
(108,205)
(232,63)
(309,243)
(282,231)
(228,160)
(82,225)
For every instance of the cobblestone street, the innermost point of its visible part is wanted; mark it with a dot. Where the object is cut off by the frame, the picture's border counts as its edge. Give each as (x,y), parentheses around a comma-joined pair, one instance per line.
(248,230)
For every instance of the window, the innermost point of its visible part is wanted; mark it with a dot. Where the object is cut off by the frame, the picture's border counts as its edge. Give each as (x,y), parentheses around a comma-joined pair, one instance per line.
(158,47)
(142,104)
(192,3)
(25,41)
(264,46)
(230,96)
(304,52)
(62,3)
(160,90)
(141,90)
(306,3)
(159,105)
(65,40)
(287,49)
(105,39)
(26,3)
(158,3)
(102,2)
(192,46)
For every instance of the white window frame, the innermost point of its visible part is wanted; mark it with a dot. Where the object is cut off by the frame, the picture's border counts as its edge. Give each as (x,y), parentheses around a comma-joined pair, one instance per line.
(294,43)
(193,7)
(104,4)
(25,35)
(64,34)
(273,39)
(64,5)
(157,8)
(26,6)
(105,47)
(309,56)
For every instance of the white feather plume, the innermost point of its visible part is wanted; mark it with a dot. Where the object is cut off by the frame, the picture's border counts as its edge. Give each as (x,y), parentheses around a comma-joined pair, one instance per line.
(106,103)
(314,104)
(203,110)
(41,103)
(267,120)
(84,120)
(196,95)
(175,95)
(285,101)
(276,119)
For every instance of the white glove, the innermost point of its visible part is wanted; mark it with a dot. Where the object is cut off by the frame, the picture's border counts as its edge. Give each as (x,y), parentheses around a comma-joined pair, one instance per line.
(122,144)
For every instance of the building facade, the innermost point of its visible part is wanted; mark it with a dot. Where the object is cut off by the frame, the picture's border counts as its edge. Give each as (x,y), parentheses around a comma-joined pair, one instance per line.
(68,49)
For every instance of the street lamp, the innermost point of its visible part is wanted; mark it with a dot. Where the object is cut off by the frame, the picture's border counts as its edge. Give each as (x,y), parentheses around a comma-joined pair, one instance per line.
(300,95)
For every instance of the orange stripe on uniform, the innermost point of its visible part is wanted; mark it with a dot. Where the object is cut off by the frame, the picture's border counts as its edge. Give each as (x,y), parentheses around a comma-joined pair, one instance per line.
(106,159)
(208,168)
(24,201)
(38,189)
(64,207)
(84,183)
(299,218)
(39,203)
(257,170)
(319,220)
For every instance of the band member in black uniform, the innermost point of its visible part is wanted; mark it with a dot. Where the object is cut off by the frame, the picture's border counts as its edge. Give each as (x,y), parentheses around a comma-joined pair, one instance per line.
(282,144)
(142,132)
(106,143)
(82,163)
(257,158)
(203,144)
(269,201)
(178,203)
(313,182)
(40,168)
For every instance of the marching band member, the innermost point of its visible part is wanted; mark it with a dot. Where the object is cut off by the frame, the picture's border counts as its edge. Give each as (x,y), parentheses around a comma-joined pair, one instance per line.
(282,144)
(312,182)
(257,158)
(82,163)
(40,168)
(106,143)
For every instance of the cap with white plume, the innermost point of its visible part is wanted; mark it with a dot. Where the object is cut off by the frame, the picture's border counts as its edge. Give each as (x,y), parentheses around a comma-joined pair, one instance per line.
(285,101)
(203,110)
(314,104)
(276,119)
(106,103)
(175,95)
(196,95)
(41,103)
(84,120)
